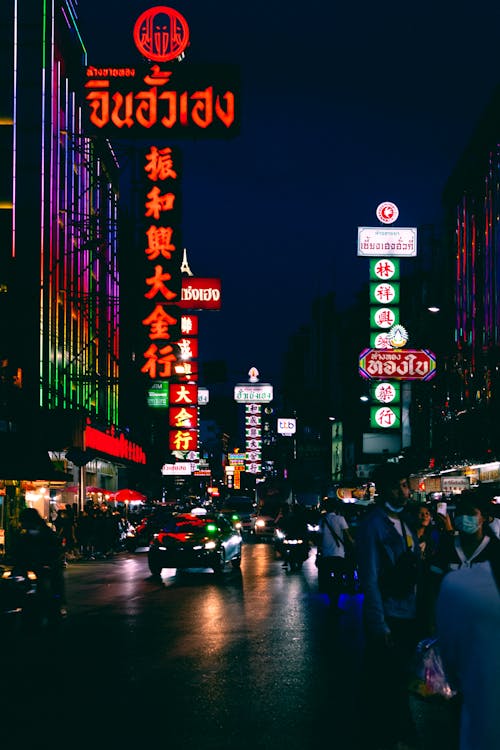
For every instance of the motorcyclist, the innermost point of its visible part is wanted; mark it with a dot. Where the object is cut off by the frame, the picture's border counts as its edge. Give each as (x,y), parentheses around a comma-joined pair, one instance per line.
(37,548)
(294,526)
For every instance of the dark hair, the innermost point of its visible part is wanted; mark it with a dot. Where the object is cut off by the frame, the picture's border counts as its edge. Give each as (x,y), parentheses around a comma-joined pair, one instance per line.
(387,476)
(468,502)
(30,518)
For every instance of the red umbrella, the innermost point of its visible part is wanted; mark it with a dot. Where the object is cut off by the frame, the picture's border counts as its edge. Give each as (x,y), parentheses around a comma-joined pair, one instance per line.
(127,495)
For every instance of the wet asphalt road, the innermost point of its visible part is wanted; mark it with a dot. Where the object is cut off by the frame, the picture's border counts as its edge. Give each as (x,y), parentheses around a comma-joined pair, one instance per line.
(254,659)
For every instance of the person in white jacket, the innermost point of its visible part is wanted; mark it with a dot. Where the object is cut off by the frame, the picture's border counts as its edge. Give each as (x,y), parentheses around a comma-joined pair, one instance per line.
(468,627)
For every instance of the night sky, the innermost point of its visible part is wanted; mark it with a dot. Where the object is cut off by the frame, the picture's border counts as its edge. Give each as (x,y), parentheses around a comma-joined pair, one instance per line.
(342,108)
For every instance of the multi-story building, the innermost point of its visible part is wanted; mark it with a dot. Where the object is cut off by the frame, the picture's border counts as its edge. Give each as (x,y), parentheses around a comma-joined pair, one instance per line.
(472,206)
(59,278)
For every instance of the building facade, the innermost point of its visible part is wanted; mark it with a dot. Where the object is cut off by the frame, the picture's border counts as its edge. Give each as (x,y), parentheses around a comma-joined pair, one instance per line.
(59,277)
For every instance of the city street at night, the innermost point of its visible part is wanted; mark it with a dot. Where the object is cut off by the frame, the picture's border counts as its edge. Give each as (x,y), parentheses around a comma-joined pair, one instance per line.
(253,659)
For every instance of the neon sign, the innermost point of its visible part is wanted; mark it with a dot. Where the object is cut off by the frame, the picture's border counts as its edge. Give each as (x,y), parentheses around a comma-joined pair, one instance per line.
(183,102)
(161,34)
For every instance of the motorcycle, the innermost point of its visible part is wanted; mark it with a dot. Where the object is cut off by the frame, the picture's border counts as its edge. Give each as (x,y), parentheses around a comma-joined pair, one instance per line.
(29,600)
(293,550)
(14,592)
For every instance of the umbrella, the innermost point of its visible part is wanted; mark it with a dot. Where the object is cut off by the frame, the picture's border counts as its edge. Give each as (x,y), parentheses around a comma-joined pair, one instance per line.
(128,495)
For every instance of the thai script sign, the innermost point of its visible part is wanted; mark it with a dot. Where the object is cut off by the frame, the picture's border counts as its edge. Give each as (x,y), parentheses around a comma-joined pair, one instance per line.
(400,364)
(383,241)
(181,100)
(261,393)
(200,294)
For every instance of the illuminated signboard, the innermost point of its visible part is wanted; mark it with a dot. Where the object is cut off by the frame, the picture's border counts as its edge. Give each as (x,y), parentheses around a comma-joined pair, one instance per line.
(386,393)
(245,393)
(383,241)
(158,395)
(161,34)
(384,293)
(114,445)
(385,417)
(384,317)
(397,364)
(183,394)
(162,264)
(183,440)
(183,416)
(180,468)
(200,294)
(174,100)
(189,324)
(287,427)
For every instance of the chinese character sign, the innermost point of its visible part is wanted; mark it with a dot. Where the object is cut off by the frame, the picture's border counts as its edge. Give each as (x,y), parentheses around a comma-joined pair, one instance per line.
(162,282)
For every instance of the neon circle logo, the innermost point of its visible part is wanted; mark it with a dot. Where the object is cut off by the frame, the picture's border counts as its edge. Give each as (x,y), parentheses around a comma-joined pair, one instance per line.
(161,34)
(387,212)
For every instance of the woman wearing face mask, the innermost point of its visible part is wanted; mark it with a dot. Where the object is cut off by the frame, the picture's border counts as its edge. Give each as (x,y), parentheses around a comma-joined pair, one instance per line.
(472,543)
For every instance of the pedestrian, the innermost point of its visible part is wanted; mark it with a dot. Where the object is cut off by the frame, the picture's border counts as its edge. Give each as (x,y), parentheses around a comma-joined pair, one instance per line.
(389,565)
(468,624)
(37,548)
(430,528)
(66,530)
(472,542)
(334,539)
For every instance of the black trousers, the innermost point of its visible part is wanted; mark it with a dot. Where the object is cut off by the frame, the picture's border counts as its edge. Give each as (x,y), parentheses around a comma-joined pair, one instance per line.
(386,673)
(331,577)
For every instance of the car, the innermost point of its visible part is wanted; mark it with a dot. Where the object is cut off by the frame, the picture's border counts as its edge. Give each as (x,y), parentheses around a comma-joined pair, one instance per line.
(263,522)
(195,541)
(140,534)
(239,509)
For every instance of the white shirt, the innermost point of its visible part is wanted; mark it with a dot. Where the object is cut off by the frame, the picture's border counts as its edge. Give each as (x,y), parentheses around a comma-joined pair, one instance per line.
(495,527)
(468,627)
(329,546)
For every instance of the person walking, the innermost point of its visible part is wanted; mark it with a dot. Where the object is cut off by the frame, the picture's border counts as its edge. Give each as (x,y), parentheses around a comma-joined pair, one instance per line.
(333,537)
(388,555)
(468,623)
(38,548)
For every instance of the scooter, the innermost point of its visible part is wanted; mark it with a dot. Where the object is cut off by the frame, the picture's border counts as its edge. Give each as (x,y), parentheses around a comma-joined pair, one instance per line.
(15,590)
(294,551)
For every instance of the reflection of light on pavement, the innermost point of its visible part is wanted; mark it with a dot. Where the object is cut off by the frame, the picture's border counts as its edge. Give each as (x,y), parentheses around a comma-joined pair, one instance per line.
(212,627)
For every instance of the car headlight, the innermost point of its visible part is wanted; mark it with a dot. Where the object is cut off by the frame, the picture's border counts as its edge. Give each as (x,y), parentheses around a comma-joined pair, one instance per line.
(279,534)
(260,523)
(210,545)
(313,527)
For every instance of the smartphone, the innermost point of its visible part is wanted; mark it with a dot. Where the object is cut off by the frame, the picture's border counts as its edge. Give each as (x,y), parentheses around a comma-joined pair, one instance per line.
(442,508)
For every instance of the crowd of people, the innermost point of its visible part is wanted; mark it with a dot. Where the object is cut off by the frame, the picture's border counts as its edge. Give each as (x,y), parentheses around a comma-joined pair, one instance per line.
(97,532)
(427,575)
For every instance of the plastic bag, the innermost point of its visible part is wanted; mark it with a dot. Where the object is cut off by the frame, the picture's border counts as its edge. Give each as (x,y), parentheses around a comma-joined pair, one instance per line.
(430,678)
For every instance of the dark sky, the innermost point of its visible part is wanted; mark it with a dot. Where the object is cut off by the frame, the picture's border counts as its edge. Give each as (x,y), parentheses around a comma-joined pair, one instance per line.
(342,108)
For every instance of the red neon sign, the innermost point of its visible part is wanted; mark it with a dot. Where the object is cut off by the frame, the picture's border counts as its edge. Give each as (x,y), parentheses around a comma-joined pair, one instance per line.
(161,34)
(113,445)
